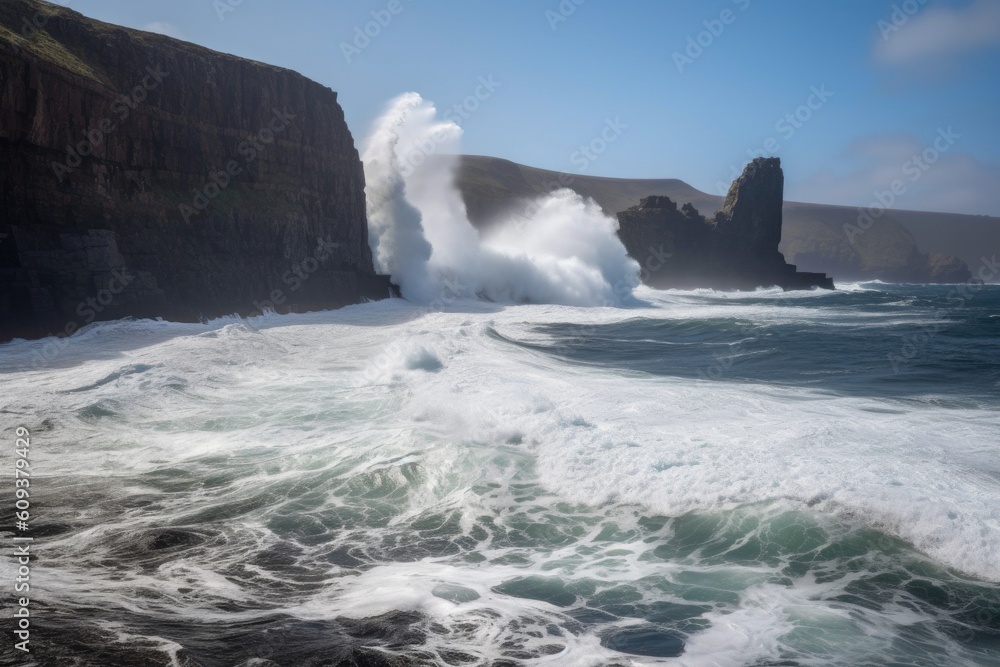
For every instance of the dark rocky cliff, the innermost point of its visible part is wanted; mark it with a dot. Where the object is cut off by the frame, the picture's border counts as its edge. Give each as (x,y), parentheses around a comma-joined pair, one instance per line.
(738,249)
(145,176)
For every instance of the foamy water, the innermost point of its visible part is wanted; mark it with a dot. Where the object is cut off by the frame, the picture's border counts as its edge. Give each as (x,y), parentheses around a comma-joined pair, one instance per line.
(563,249)
(513,493)
(602,475)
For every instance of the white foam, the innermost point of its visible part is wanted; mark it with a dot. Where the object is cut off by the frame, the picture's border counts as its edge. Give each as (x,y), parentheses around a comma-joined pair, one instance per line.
(372,389)
(564,250)
(918,474)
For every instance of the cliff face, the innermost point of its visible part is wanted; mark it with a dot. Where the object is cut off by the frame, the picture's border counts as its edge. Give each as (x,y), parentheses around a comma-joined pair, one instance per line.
(146,176)
(736,250)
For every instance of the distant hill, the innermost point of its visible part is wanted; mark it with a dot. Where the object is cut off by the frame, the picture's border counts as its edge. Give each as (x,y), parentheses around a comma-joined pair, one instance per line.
(901,246)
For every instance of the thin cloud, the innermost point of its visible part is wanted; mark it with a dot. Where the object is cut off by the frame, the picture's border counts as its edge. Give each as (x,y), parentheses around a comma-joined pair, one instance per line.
(162,28)
(955,182)
(937,32)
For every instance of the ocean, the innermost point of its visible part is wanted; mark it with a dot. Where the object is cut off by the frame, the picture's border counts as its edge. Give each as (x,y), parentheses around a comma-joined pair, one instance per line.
(694,478)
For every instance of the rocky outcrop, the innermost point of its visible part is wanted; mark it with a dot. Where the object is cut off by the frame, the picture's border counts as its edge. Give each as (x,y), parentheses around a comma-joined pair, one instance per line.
(145,176)
(899,246)
(947,269)
(738,249)
(751,217)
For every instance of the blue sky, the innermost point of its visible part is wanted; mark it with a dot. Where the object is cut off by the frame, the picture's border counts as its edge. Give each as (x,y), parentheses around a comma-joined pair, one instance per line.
(694,86)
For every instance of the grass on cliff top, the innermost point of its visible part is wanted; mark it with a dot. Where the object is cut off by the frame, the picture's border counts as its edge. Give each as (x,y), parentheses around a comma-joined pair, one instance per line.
(45,47)
(13,14)
(79,59)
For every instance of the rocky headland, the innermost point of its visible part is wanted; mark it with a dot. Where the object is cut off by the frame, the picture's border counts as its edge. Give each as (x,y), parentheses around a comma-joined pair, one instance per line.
(145,176)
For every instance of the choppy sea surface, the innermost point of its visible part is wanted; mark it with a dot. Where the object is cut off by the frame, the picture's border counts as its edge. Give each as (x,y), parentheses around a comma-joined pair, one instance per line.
(766,478)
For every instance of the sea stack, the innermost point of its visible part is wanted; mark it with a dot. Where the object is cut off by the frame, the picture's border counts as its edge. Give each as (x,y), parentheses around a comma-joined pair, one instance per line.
(738,249)
(145,176)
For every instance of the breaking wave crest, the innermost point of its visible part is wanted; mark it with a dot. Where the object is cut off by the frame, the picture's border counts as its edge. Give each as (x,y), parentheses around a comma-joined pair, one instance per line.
(563,250)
